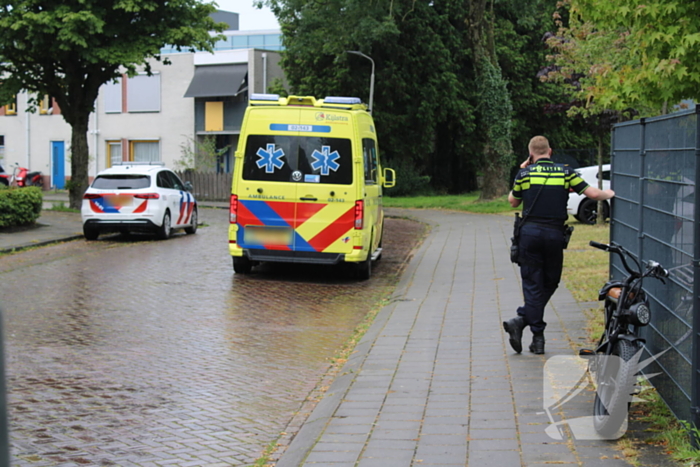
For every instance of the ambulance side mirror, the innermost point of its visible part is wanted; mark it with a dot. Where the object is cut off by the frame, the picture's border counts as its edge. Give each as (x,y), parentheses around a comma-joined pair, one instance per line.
(389,177)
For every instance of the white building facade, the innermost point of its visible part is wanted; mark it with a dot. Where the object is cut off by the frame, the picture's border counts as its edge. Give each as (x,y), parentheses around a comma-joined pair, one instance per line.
(150,118)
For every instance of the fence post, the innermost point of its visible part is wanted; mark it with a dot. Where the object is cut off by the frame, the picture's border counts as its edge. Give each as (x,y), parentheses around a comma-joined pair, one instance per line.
(642,181)
(695,380)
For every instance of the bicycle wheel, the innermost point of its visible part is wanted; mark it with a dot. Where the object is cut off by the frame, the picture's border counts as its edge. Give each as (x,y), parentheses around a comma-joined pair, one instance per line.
(615,377)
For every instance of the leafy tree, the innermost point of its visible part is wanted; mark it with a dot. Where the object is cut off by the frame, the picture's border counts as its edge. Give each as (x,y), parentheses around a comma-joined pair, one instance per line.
(421,109)
(648,49)
(68,49)
(438,113)
(202,154)
(493,100)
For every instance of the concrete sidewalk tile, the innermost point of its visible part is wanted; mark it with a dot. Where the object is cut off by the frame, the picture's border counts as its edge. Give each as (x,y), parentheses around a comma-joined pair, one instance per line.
(401,416)
(494,433)
(335,428)
(409,435)
(481,424)
(401,400)
(501,458)
(334,446)
(412,411)
(331,457)
(431,412)
(442,454)
(384,459)
(439,428)
(494,444)
(355,419)
(349,438)
(551,453)
(390,445)
(397,425)
(442,439)
(330,464)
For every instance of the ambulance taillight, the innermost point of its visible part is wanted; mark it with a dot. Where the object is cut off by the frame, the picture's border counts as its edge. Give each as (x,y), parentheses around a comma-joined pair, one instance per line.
(233,209)
(359,214)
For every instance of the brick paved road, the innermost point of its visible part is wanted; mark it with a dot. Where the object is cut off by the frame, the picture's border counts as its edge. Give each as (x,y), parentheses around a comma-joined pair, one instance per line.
(124,352)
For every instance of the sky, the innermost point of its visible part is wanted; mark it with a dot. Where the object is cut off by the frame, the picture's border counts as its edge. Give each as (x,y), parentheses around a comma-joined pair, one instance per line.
(249,17)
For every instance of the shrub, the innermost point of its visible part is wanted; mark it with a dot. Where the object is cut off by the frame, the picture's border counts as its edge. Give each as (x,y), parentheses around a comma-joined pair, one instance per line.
(20,206)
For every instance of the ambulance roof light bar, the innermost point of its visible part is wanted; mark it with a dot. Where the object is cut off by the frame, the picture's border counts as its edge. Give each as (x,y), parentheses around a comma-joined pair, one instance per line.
(342,100)
(264,97)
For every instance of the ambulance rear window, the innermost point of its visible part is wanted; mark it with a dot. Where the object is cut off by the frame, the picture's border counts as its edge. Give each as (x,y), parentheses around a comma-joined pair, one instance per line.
(298,159)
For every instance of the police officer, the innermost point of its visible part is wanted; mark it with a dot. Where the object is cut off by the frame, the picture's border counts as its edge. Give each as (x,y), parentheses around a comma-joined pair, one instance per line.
(543,187)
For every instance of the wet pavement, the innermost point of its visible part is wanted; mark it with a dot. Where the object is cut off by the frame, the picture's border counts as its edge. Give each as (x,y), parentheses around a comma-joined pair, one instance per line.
(132,351)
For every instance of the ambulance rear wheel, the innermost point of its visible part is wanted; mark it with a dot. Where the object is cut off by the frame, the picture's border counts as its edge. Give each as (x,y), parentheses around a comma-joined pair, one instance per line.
(242,265)
(364,268)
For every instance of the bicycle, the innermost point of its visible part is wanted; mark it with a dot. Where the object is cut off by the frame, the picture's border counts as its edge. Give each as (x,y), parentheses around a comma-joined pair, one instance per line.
(614,360)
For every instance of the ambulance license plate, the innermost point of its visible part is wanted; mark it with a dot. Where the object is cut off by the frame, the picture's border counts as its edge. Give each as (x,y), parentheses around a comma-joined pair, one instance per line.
(267,236)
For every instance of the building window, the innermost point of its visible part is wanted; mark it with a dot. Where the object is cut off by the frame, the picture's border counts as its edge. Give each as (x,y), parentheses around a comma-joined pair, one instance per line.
(214,116)
(10,108)
(145,151)
(48,106)
(2,148)
(114,153)
(112,93)
(143,93)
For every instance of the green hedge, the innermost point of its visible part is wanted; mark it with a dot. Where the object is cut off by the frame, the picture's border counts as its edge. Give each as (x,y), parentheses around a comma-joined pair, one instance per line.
(19,206)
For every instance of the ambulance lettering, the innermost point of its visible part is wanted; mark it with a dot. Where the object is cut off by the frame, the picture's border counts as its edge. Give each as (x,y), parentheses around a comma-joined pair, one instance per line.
(325,160)
(270,158)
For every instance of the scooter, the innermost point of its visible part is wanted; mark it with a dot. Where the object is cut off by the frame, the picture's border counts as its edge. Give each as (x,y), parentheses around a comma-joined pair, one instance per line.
(21,177)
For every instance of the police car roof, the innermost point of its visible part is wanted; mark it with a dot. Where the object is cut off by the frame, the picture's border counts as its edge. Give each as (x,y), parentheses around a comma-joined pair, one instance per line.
(133,167)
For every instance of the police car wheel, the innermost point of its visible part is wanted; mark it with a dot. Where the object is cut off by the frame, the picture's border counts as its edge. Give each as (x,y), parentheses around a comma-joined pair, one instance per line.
(90,233)
(193,228)
(242,265)
(164,230)
(588,212)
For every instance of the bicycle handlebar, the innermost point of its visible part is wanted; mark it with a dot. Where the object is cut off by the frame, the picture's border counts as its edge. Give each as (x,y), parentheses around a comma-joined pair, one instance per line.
(655,269)
(600,246)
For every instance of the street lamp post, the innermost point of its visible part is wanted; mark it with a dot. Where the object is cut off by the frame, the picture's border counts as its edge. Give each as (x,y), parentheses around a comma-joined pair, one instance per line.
(371,79)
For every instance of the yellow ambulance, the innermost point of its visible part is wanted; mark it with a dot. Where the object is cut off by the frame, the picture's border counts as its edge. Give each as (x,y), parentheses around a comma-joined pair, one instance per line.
(307,184)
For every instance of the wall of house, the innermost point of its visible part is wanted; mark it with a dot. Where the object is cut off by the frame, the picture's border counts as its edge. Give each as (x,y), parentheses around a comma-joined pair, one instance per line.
(27,138)
(171,125)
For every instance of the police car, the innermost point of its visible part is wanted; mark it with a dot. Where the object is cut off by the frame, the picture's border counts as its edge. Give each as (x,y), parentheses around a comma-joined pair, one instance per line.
(584,209)
(144,197)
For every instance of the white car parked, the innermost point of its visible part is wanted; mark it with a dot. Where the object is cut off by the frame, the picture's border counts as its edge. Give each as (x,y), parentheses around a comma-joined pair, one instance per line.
(138,197)
(585,209)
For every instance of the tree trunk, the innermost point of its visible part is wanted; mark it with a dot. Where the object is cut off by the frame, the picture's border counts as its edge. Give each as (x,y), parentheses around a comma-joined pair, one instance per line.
(495,182)
(79,156)
(494,104)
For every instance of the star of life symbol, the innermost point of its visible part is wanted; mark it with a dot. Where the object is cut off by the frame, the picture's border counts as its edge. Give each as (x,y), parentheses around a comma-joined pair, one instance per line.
(270,159)
(325,160)
(566,376)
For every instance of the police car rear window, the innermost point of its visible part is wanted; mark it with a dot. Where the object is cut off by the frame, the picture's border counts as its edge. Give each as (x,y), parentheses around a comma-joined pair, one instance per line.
(298,159)
(121,182)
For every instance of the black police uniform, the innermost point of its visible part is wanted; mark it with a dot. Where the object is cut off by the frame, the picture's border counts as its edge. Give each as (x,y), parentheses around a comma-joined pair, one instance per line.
(542,234)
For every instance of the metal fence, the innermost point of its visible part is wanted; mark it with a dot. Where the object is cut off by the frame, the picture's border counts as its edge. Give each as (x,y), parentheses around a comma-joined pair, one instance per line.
(654,170)
(208,186)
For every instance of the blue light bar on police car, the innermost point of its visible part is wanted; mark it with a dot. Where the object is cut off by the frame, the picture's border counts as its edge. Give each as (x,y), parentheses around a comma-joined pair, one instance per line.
(264,97)
(342,100)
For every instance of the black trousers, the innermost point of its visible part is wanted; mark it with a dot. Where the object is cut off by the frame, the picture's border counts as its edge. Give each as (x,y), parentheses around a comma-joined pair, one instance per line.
(541,262)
